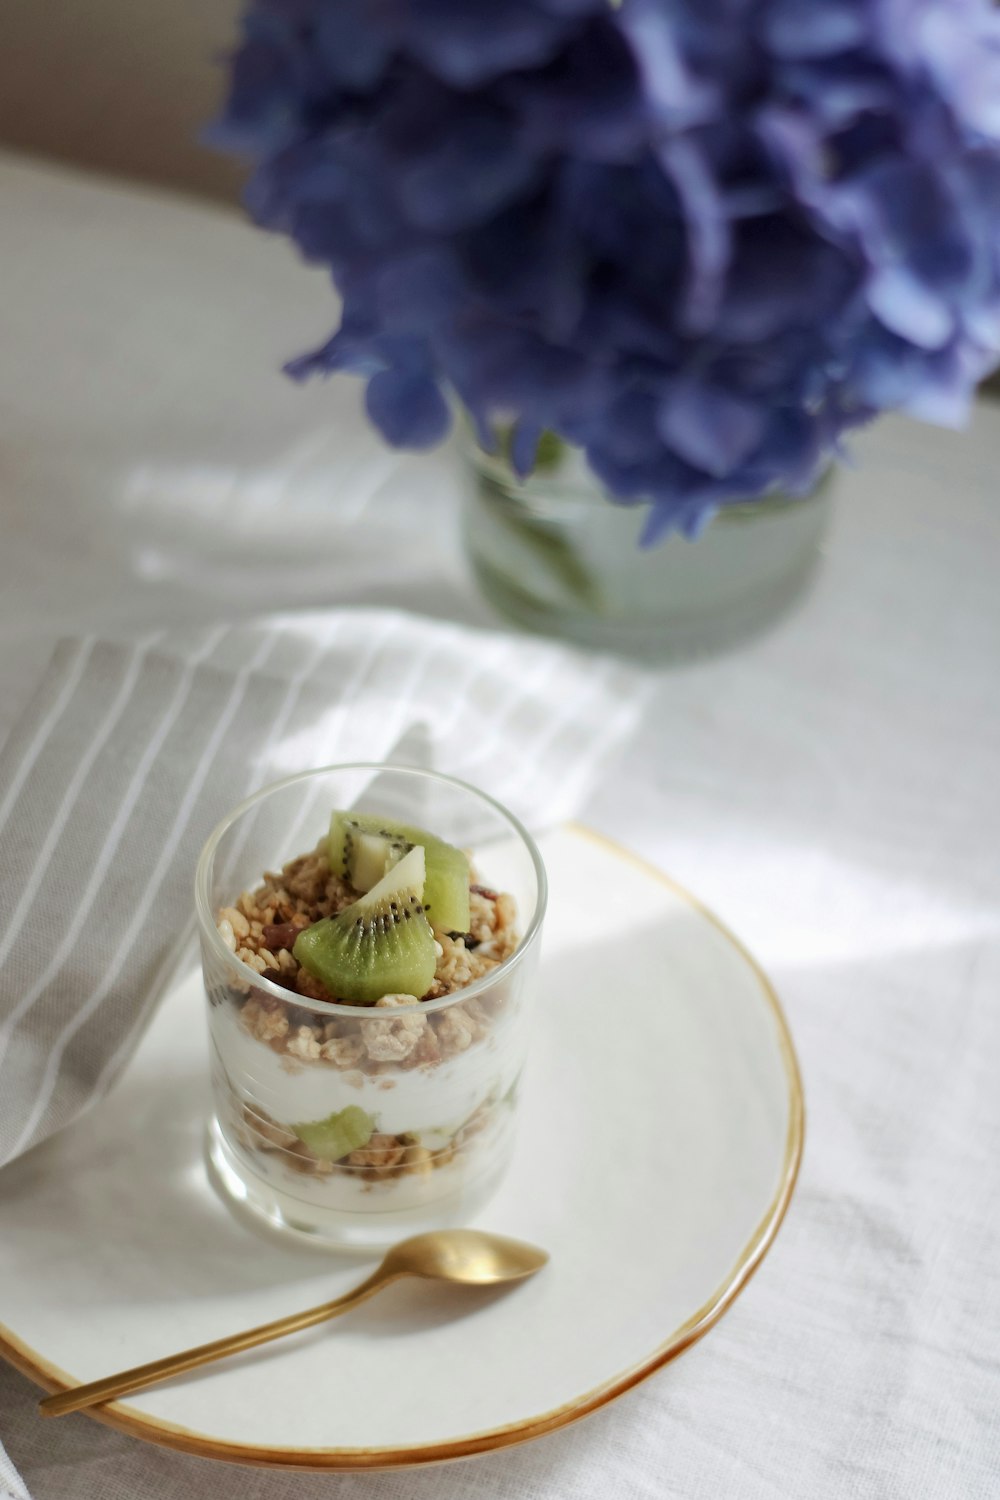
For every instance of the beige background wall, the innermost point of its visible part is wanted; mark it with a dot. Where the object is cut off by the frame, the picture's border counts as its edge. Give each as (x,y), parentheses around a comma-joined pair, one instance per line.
(120,85)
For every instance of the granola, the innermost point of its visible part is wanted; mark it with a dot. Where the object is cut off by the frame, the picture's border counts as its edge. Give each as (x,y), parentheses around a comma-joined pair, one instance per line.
(306,891)
(262,927)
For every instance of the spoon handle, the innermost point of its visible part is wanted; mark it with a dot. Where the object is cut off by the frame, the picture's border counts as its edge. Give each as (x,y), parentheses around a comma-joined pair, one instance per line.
(113,1386)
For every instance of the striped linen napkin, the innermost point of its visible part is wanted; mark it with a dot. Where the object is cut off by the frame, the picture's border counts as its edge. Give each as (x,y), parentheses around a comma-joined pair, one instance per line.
(131,752)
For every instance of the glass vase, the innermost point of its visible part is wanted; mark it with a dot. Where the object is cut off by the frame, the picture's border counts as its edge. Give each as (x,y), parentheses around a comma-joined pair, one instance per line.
(554,554)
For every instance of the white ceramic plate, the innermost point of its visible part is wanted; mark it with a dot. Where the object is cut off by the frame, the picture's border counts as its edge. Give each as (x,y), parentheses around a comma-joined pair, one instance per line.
(659,1142)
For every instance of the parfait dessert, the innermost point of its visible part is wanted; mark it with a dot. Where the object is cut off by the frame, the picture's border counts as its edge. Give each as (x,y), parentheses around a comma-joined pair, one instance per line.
(368,1033)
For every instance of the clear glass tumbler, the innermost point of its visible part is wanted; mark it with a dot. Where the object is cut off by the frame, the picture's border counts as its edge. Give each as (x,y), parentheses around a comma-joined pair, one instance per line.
(429,1088)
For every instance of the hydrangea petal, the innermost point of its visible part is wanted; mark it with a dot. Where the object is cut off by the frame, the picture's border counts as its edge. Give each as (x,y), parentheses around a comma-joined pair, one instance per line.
(354,51)
(707,227)
(408,408)
(908,308)
(465,179)
(709,428)
(814,28)
(455,40)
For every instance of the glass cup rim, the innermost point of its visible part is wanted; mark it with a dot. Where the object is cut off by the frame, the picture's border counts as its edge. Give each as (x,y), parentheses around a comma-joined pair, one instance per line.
(210,932)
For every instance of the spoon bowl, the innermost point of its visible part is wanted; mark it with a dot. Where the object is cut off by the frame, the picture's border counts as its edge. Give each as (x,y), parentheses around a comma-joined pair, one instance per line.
(470,1257)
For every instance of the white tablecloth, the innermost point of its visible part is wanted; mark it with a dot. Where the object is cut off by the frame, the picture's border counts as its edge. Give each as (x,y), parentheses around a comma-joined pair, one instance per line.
(830,788)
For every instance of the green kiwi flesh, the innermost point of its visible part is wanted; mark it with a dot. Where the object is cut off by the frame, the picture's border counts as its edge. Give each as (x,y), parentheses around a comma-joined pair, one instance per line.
(339,1134)
(382,944)
(362,846)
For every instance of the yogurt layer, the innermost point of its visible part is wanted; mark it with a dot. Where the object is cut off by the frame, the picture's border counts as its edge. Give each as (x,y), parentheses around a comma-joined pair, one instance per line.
(424,1099)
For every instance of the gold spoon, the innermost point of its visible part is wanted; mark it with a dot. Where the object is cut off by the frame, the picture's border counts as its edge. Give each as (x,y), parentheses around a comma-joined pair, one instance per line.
(470,1257)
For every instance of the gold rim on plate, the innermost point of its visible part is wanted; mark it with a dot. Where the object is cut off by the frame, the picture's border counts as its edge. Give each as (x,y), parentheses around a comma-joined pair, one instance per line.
(357,1460)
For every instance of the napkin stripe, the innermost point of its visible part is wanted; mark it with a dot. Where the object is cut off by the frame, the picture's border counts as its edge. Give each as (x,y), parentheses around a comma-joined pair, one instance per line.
(124,952)
(69,664)
(561,726)
(227,796)
(291,700)
(485,668)
(330,746)
(55,831)
(113,839)
(524,690)
(120,1055)
(38,1032)
(132,662)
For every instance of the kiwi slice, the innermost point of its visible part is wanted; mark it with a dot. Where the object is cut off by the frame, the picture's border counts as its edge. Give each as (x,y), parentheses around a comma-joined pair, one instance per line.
(380,945)
(339,1134)
(372,856)
(362,847)
(446,887)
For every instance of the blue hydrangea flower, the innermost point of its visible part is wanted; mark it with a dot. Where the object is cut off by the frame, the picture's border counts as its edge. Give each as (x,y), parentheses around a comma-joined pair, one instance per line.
(698,238)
